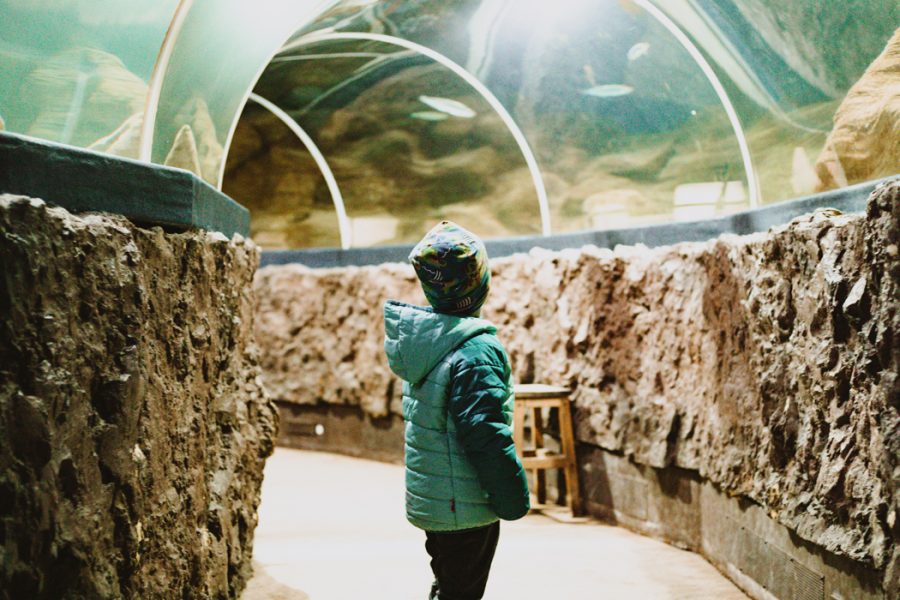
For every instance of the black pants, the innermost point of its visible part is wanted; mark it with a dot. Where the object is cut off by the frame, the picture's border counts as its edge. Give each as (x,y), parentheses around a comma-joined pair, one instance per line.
(461,561)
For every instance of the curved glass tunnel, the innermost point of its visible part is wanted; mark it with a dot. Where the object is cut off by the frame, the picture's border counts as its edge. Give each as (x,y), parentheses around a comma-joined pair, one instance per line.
(536,117)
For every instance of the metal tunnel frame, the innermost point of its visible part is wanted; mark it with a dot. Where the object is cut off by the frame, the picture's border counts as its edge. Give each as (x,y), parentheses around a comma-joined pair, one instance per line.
(687,44)
(492,100)
(649,6)
(330,181)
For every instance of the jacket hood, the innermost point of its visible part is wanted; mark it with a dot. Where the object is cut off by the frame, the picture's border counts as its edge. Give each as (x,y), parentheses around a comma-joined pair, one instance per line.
(416,338)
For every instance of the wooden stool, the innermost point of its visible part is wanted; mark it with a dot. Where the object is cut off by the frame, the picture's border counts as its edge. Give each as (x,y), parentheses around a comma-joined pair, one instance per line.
(532,398)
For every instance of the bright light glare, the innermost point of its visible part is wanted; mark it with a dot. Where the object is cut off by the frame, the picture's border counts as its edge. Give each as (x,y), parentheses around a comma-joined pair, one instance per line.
(551,13)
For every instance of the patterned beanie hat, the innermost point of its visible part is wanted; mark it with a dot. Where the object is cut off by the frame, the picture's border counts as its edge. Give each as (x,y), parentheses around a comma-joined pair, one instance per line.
(452,265)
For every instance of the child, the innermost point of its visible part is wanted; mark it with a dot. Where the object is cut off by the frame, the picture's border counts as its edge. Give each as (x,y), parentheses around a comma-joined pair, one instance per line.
(462,472)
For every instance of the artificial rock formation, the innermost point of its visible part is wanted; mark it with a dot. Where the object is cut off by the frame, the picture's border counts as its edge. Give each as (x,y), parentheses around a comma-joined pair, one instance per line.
(133,422)
(765,363)
(865,141)
(107,93)
(796,32)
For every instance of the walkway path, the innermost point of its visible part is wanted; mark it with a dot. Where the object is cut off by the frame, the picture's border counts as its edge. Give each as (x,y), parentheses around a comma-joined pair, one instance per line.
(333,528)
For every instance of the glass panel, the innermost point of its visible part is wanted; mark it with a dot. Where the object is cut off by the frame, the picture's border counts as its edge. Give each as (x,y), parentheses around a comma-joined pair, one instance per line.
(222,47)
(272,173)
(626,127)
(625,124)
(611,160)
(76,71)
(790,65)
(410,143)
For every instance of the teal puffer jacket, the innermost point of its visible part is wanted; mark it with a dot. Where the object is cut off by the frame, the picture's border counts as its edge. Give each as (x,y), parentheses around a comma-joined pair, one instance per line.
(461,465)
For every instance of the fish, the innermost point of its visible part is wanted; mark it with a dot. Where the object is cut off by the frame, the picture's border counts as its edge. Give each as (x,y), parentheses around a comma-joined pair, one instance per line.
(429,115)
(609,90)
(454,108)
(638,50)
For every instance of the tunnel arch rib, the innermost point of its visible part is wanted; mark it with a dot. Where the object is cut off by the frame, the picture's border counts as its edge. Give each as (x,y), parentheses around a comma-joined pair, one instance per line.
(517,134)
(330,181)
(158,77)
(710,74)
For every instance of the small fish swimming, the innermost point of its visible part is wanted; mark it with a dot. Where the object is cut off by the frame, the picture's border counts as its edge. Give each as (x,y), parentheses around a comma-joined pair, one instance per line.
(610,90)
(454,108)
(429,115)
(638,50)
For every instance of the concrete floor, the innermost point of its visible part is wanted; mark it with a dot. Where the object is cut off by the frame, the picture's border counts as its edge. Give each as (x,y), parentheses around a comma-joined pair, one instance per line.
(333,528)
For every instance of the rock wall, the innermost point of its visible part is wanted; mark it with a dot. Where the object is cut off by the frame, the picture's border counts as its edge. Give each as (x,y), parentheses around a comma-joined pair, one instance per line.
(765,363)
(133,422)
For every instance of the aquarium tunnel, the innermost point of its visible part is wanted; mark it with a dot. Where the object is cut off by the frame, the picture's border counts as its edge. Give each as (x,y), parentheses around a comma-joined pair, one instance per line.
(348,124)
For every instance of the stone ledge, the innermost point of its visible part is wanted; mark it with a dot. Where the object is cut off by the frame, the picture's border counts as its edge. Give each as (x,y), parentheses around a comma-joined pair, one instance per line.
(83,181)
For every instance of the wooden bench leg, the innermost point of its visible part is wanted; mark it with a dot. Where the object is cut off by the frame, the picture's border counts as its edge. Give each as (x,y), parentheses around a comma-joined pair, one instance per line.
(519,431)
(567,440)
(540,475)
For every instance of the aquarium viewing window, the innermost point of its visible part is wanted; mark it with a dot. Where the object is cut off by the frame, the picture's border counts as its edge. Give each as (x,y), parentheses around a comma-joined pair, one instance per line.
(358,123)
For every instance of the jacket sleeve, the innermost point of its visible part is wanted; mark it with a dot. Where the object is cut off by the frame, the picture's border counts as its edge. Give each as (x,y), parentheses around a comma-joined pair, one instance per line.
(478,389)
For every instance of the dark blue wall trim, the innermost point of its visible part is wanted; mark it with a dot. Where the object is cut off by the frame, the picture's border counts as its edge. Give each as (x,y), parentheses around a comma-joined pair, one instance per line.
(84,181)
(849,199)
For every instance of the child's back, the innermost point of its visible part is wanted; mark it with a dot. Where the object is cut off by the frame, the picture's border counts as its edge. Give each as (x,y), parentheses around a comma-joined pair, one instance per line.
(462,472)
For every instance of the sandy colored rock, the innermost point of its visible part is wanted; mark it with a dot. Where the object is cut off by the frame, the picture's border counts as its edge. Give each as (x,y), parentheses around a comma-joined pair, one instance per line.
(133,422)
(125,141)
(865,141)
(104,91)
(184,151)
(764,363)
(194,114)
(320,343)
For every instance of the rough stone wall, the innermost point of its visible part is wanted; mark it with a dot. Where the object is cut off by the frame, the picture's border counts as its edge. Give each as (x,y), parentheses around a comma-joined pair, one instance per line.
(766,363)
(133,422)
(321,334)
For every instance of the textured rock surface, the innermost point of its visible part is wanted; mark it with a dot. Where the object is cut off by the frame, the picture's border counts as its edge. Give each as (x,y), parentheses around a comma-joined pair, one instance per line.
(321,333)
(865,141)
(133,423)
(766,363)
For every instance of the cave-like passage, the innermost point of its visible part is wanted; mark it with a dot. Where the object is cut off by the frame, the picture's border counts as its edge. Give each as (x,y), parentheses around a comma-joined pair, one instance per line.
(333,527)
